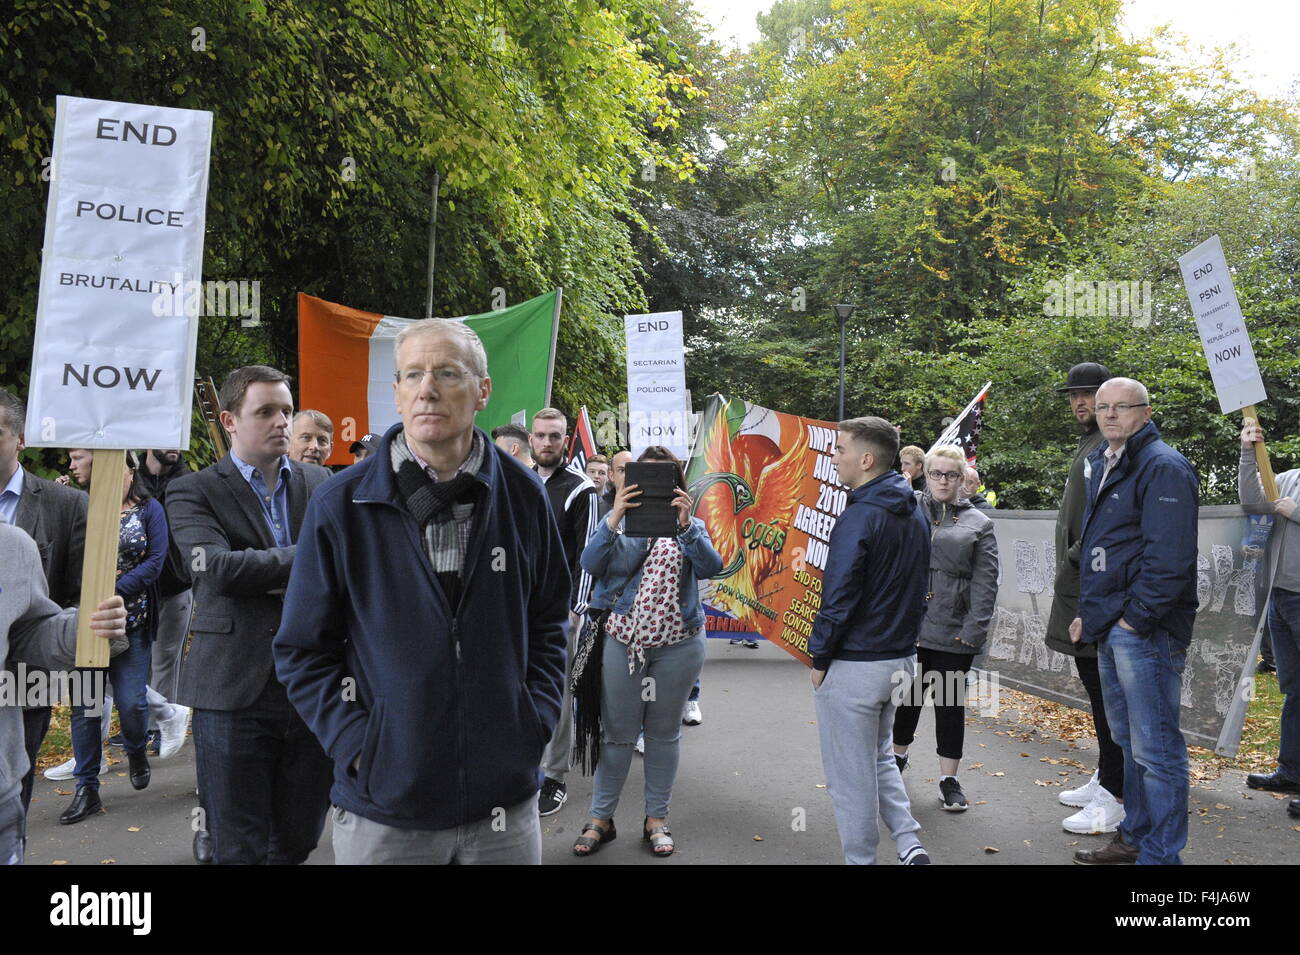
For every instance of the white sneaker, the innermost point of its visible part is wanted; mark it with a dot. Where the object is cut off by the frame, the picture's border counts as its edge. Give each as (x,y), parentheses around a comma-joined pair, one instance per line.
(1103,814)
(1084,795)
(640,744)
(691,715)
(68,770)
(172,731)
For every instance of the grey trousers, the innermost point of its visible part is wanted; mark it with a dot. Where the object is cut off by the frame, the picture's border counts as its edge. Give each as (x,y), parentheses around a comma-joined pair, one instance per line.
(510,836)
(173,627)
(557,758)
(855,721)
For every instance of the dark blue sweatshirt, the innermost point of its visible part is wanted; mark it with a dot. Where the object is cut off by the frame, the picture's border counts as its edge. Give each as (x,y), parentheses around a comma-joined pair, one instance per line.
(873,591)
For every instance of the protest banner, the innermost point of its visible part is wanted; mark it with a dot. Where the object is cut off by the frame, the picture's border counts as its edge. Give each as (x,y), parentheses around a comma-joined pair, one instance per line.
(659,410)
(1220,661)
(345,357)
(766,488)
(1226,342)
(117,312)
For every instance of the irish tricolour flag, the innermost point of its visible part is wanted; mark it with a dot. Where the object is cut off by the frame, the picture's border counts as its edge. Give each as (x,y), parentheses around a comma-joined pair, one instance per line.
(345,362)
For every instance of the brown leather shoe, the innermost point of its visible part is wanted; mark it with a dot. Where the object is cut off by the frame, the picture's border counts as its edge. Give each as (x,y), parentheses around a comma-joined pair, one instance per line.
(1115,852)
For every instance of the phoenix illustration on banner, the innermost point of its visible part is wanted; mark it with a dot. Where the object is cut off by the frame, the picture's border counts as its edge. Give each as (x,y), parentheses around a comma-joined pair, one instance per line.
(748,496)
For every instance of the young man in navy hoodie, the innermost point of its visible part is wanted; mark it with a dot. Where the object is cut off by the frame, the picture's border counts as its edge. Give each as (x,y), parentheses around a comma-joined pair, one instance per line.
(864,641)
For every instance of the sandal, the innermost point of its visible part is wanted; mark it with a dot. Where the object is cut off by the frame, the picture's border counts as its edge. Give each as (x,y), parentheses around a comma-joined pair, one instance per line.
(586,845)
(660,839)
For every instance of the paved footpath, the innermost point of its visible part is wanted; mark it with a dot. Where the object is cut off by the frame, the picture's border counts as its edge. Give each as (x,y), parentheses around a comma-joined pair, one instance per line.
(749,775)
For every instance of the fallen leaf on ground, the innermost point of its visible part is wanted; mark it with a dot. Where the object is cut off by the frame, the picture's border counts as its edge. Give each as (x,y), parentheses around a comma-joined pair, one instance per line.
(990,850)
(65,861)
(1219,805)
(758,838)
(63,792)
(997,774)
(132,828)
(107,861)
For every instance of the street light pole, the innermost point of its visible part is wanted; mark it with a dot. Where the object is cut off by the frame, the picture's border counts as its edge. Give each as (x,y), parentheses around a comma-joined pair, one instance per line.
(843,313)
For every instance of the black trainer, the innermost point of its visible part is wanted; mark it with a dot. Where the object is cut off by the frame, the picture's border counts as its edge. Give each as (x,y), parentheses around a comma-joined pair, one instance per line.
(950,794)
(915,856)
(552,797)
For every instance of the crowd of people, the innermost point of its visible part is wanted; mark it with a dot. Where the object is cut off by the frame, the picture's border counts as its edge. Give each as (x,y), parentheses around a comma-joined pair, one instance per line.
(425,644)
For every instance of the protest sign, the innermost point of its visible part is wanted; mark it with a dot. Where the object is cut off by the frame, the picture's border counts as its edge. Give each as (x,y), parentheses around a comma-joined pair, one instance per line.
(659,409)
(111,369)
(123,231)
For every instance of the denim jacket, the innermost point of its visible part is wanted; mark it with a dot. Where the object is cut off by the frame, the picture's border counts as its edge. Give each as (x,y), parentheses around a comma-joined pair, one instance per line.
(611,557)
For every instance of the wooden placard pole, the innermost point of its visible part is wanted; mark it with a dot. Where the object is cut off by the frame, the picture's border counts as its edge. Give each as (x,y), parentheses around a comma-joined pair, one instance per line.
(99,569)
(1250,415)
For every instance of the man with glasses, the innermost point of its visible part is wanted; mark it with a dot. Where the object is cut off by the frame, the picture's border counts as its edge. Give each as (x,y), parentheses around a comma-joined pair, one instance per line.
(573,502)
(1100,800)
(423,633)
(1137,603)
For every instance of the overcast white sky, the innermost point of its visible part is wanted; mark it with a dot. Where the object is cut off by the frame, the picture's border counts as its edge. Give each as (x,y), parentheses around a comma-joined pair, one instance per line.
(1267,30)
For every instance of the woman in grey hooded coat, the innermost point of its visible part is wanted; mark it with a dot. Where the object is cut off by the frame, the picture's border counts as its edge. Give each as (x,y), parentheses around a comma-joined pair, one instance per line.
(960,597)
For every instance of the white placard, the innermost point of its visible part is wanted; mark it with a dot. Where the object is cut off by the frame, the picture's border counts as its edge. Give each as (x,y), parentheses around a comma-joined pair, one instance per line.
(658,403)
(113,362)
(1222,327)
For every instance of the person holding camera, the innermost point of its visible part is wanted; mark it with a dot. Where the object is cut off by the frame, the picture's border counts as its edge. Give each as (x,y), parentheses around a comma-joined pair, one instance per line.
(653,649)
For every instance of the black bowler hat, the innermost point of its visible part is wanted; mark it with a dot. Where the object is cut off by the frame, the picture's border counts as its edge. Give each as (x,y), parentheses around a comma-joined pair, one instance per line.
(1088,375)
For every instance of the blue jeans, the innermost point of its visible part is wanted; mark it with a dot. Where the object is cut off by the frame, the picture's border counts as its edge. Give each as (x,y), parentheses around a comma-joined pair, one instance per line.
(264,781)
(1141,676)
(129,673)
(1284,627)
(624,713)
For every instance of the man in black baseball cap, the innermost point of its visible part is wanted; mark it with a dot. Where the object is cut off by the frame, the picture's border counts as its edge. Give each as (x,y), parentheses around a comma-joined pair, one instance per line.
(367,445)
(1099,801)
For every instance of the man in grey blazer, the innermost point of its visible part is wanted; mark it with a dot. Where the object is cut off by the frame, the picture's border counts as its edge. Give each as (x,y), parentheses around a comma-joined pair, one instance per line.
(55,517)
(263,778)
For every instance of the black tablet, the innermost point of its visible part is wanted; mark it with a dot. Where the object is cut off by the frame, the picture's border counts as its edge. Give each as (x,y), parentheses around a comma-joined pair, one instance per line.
(656,517)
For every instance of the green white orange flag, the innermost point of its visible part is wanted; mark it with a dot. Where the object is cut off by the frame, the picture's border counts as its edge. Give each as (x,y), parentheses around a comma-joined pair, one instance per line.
(345,362)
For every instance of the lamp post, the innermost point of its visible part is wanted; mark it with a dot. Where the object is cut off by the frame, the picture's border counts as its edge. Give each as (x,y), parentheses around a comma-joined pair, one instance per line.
(843,313)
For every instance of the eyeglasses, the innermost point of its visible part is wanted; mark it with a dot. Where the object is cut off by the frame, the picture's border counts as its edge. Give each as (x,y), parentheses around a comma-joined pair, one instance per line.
(944,475)
(1119,408)
(446,377)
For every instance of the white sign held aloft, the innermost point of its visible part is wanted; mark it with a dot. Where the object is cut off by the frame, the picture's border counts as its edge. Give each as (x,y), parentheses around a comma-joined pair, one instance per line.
(123,232)
(658,403)
(1222,327)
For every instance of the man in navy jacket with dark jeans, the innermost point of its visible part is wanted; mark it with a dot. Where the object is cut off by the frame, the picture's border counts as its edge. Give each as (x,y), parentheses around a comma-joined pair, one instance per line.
(423,639)
(863,641)
(1137,602)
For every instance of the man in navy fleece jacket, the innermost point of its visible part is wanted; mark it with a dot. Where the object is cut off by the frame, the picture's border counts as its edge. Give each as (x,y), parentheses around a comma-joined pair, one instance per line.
(864,641)
(424,628)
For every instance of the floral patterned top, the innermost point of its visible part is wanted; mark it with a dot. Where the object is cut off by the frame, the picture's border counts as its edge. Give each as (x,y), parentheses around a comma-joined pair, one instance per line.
(655,619)
(132,547)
